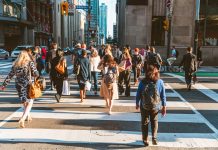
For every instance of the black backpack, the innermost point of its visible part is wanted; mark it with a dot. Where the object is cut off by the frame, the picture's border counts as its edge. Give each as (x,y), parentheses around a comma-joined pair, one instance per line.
(150,97)
(152,59)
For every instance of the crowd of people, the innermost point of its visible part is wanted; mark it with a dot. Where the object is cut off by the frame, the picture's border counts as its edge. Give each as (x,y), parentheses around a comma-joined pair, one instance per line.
(114,65)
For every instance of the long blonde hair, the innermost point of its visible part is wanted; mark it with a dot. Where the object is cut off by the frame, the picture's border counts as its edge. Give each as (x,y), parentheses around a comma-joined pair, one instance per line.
(22,59)
(126,53)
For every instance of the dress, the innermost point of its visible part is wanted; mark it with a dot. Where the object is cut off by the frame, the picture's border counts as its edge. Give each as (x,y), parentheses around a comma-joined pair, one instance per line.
(22,79)
(109,93)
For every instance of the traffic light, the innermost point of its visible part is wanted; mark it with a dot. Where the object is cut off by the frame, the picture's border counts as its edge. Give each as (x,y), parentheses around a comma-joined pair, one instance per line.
(166,25)
(64,8)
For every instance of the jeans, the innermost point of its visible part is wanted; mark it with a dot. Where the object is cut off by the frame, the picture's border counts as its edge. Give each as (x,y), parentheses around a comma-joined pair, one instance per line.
(136,72)
(188,77)
(146,117)
(124,76)
(94,75)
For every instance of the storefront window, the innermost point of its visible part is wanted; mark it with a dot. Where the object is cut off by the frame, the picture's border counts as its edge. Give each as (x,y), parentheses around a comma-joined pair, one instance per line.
(208,34)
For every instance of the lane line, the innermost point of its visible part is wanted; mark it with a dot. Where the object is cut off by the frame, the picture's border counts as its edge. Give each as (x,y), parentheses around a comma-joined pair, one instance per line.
(174,140)
(206,91)
(213,128)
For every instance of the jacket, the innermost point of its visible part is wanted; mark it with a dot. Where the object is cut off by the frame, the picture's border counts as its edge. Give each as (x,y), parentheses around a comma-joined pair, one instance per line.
(189,62)
(94,61)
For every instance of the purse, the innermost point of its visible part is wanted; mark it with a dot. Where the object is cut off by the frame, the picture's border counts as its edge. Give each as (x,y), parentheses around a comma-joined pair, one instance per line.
(121,66)
(60,67)
(66,88)
(34,89)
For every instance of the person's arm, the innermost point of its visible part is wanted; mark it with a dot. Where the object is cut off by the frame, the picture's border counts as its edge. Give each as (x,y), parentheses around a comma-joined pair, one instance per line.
(138,94)
(182,62)
(33,69)
(66,71)
(163,98)
(8,78)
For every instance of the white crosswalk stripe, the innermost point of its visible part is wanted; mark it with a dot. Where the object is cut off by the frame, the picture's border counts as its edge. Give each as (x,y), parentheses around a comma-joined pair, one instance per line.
(48,134)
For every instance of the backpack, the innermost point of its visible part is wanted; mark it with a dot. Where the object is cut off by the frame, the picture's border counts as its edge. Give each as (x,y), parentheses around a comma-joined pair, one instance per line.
(110,77)
(152,59)
(150,97)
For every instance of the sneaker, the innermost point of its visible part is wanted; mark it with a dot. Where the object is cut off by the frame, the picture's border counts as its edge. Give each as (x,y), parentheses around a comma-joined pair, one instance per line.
(57,96)
(146,143)
(154,141)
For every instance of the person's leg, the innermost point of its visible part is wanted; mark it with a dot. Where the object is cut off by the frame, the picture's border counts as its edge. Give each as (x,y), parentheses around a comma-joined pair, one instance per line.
(120,82)
(127,79)
(144,125)
(134,73)
(81,95)
(28,107)
(96,82)
(110,101)
(154,125)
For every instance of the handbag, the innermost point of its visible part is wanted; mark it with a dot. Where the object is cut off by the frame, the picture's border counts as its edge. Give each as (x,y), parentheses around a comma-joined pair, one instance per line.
(66,88)
(88,86)
(60,67)
(34,88)
(121,66)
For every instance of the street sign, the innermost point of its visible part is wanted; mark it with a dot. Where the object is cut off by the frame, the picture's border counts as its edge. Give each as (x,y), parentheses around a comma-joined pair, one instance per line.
(71,9)
(82,7)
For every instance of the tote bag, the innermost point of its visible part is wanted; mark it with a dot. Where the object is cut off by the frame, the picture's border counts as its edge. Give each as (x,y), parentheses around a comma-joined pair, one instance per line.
(88,86)
(66,88)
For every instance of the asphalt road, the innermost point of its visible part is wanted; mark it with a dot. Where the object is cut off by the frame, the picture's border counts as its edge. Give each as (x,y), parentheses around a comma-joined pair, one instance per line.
(191,121)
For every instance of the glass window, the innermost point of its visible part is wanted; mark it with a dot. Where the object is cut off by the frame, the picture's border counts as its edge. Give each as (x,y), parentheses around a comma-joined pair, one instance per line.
(208,30)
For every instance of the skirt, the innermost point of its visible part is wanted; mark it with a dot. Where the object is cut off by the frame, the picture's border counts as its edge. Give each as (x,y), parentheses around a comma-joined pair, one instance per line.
(109,93)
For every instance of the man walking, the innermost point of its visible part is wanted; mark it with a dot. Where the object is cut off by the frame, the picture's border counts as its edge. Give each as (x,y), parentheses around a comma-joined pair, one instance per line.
(189,65)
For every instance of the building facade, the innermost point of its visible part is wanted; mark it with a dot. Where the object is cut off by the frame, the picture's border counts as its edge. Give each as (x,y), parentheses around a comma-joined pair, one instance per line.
(103,23)
(115,33)
(14,26)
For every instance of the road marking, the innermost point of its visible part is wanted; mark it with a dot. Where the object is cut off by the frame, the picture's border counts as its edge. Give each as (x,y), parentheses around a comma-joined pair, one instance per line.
(206,91)
(195,110)
(117,116)
(183,140)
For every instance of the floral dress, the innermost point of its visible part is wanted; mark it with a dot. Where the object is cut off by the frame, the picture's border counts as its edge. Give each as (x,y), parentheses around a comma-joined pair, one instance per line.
(22,79)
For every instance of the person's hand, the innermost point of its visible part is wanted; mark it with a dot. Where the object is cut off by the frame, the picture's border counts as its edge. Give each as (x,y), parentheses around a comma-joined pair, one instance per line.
(163,111)
(2,88)
(137,107)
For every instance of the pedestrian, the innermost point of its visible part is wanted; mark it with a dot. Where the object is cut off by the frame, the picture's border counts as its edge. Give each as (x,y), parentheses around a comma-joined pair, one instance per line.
(23,68)
(154,58)
(199,57)
(125,75)
(43,56)
(83,73)
(51,54)
(147,51)
(173,56)
(189,66)
(136,65)
(94,61)
(116,53)
(101,51)
(56,76)
(109,89)
(107,50)
(38,59)
(77,53)
(149,98)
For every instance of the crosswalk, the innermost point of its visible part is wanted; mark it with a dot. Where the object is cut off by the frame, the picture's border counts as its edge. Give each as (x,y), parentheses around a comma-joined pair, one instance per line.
(73,122)
(5,66)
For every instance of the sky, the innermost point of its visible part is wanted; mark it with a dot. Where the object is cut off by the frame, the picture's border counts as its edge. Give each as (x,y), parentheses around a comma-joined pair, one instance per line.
(111,14)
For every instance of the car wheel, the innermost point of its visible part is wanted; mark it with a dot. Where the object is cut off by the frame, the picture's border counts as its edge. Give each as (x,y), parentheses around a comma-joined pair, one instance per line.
(6,57)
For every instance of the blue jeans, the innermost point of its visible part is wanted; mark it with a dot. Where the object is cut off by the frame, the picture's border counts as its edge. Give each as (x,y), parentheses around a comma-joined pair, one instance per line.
(94,75)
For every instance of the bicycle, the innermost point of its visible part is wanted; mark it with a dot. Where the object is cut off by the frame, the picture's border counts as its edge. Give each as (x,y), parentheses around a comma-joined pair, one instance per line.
(166,67)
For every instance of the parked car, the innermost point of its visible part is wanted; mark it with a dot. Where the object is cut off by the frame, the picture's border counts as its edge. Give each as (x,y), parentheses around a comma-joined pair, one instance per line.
(4,54)
(18,49)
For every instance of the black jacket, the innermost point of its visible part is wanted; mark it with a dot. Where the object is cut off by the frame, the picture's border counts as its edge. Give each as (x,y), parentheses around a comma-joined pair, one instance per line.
(54,73)
(189,62)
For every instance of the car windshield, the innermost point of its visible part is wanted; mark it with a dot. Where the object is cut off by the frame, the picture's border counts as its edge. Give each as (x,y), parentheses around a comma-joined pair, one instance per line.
(20,48)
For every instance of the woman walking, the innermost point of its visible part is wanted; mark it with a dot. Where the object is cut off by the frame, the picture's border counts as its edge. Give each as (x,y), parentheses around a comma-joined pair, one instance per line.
(56,76)
(149,98)
(83,74)
(23,68)
(125,75)
(94,61)
(109,89)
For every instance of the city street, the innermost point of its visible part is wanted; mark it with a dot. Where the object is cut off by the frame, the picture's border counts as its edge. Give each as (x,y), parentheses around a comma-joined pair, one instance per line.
(191,120)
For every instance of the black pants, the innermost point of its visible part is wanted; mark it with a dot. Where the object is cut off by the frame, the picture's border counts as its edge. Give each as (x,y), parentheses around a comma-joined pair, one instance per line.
(58,83)
(124,76)
(136,72)
(146,117)
(188,77)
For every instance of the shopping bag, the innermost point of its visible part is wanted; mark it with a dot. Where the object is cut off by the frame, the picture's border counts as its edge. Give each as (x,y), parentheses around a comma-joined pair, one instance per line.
(66,88)
(88,86)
